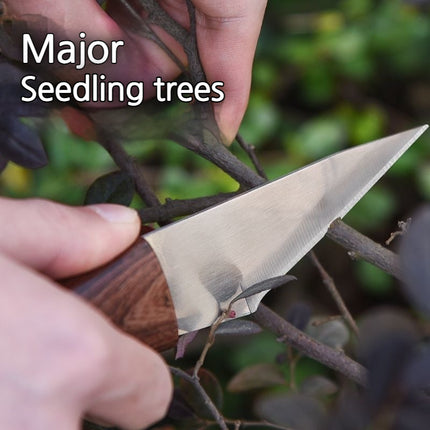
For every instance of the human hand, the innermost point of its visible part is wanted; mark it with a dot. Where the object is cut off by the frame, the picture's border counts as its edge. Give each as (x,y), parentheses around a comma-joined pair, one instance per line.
(61,358)
(227,33)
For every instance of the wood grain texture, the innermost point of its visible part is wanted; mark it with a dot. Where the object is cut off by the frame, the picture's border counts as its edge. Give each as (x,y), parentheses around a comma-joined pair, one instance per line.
(132,291)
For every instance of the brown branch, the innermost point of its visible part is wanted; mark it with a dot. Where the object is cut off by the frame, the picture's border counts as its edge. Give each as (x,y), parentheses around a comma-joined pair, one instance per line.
(197,74)
(186,38)
(158,16)
(143,29)
(191,49)
(250,150)
(336,360)
(331,286)
(364,248)
(204,139)
(208,401)
(210,149)
(209,342)
(177,208)
(403,228)
(129,165)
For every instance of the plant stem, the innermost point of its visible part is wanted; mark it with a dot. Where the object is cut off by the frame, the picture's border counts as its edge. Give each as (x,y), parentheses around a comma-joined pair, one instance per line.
(310,347)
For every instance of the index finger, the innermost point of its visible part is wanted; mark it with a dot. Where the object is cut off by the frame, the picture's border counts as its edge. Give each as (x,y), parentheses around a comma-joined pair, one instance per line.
(62,241)
(227,34)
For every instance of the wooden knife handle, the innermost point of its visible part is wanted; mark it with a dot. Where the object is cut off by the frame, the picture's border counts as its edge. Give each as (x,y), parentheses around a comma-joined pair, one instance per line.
(132,291)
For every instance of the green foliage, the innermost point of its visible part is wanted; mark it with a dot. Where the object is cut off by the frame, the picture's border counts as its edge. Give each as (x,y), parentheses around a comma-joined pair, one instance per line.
(263,349)
(373,210)
(374,280)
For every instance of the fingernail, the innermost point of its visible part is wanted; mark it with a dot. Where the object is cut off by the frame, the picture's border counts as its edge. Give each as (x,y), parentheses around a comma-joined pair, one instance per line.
(115,213)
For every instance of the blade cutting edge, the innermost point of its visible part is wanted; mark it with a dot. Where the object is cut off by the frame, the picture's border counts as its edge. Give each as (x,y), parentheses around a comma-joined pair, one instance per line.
(212,256)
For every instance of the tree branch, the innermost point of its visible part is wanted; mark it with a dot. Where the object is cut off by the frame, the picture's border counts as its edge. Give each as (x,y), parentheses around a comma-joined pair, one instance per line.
(209,148)
(129,165)
(143,28)
(336,360)
(250,150)
(331,286)
(158,16)
(208,401)
(364,248)
(177,208)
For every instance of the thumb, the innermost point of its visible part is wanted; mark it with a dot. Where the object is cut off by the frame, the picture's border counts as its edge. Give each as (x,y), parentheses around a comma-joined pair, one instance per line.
(63,241)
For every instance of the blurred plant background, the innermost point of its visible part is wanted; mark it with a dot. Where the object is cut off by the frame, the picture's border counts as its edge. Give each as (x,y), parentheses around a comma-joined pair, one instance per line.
(328,75)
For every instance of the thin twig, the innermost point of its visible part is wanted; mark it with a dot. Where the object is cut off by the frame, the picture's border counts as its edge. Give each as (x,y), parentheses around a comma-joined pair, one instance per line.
(210,149)
(197,74)
(208,401)
(205,138)
(210,341)
(403,228)
(250,150)
(191,49)
(158,16)
(172,209)
(331,286)
(144,29)
(202,136)
(364,248)
(334,359)
(129,165)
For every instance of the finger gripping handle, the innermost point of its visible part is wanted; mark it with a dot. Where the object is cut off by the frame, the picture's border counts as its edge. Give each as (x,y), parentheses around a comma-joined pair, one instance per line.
(132,291)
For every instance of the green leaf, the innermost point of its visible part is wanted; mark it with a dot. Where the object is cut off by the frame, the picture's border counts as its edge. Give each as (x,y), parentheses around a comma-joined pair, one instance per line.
(318,138)
(258,376)
(373,209)
(260,348)
(115,187)
(374,280)
(261,119)
(368,125)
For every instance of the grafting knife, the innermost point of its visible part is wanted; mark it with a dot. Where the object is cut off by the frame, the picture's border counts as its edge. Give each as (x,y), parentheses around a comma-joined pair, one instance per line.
(177,279)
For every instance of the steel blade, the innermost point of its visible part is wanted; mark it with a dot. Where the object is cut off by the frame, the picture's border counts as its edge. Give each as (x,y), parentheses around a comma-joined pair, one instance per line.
(210,257)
